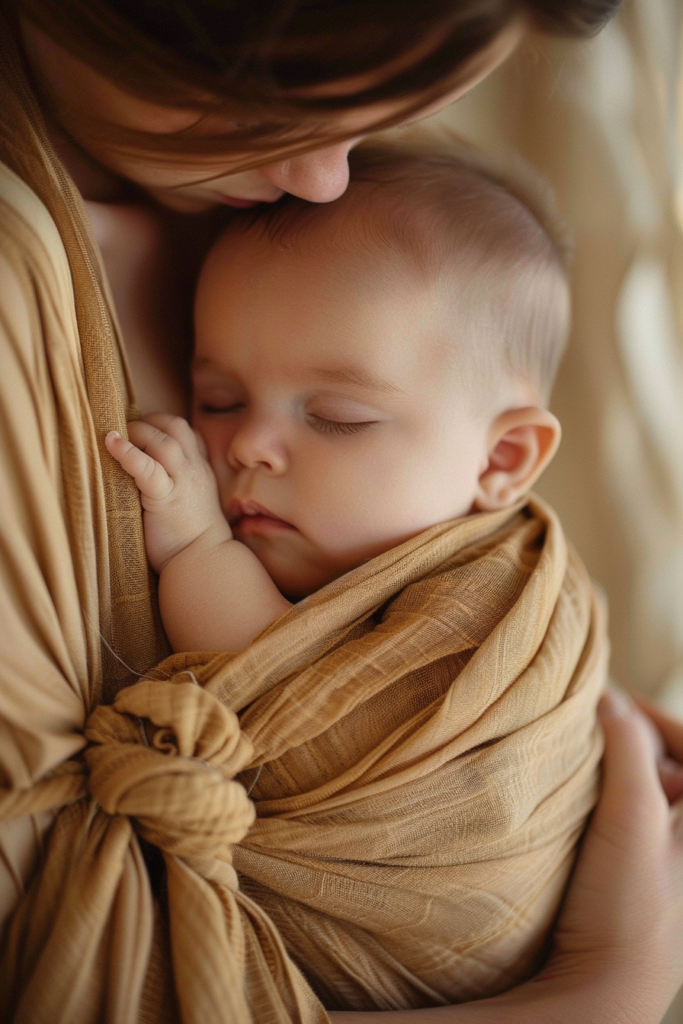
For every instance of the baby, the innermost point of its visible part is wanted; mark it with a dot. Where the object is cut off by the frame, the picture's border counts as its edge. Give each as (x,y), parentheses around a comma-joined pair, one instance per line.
(416,655)
(362,371)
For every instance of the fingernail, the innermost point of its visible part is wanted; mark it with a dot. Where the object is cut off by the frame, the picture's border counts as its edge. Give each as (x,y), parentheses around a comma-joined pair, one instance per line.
(112,433)
(615,704)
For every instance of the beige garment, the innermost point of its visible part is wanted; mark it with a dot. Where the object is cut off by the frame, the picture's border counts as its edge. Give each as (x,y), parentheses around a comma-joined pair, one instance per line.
(419,737)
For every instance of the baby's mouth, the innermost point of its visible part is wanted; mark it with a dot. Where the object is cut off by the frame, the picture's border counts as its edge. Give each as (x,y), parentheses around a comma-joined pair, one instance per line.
(247,516)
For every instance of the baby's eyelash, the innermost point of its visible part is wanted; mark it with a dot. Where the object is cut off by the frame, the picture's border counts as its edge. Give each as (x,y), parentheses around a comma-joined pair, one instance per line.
(220,410)
(335,427)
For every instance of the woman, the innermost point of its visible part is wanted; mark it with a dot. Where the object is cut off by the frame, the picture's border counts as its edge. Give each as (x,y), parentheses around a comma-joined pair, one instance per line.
(198,109)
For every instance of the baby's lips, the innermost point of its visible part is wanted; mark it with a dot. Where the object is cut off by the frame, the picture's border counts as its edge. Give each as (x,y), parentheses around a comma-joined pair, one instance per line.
(239,508)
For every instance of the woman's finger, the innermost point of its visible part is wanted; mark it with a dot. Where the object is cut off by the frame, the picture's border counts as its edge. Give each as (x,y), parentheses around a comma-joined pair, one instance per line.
(671,778)
(670,729)
(630,768)
(151,478)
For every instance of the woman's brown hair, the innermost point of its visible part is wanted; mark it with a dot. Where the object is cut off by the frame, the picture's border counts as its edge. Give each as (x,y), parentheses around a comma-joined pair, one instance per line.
(258,60)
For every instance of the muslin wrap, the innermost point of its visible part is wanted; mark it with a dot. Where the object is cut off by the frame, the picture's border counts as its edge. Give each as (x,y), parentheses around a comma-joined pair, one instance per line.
(375,805)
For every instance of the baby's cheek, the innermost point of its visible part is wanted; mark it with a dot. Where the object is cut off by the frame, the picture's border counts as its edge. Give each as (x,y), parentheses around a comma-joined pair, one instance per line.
(358,527)
(360,503)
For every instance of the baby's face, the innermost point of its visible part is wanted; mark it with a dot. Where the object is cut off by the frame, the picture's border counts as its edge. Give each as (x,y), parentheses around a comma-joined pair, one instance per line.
(334,418)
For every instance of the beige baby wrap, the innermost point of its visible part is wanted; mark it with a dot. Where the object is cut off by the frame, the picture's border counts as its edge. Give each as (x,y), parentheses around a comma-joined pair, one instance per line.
(418,739)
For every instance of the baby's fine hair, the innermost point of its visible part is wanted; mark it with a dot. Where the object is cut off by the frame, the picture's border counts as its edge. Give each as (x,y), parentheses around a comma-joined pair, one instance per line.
(487,231)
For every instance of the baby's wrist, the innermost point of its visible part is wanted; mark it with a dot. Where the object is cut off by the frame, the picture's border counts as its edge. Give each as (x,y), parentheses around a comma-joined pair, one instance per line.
(212,536)
(216,533)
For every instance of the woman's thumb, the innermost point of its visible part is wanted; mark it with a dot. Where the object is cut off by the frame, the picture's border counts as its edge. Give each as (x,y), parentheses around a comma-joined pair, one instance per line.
(632,747)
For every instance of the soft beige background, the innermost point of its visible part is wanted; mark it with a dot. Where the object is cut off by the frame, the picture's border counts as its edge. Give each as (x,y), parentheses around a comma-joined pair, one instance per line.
(600,119)
(604,121)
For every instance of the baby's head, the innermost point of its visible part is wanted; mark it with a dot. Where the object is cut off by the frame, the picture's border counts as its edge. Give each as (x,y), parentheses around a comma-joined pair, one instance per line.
(366,369)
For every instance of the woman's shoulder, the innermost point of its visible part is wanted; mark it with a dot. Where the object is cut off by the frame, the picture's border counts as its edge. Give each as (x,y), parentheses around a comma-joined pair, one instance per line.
(30,241)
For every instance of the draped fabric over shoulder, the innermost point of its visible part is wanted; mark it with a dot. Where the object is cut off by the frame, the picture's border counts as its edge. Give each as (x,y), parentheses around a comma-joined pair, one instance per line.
(384,790)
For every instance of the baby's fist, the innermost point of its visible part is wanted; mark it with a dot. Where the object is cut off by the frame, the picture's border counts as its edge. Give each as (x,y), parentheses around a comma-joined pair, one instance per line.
(176,483)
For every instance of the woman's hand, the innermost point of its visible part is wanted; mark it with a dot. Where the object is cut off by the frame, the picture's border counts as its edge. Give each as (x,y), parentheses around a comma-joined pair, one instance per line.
(621,927)
(617,955)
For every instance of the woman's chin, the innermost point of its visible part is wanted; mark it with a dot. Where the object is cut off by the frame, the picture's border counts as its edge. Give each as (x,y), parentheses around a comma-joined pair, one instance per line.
(179,203)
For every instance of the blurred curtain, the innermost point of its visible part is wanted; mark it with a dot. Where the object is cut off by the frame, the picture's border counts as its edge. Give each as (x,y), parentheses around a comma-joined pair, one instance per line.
(603,120)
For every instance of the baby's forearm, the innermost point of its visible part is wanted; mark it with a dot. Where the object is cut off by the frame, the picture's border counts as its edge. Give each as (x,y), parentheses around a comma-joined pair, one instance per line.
(215,595)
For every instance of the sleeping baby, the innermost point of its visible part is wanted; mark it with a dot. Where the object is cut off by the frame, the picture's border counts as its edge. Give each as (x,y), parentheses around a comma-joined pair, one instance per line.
(350,518)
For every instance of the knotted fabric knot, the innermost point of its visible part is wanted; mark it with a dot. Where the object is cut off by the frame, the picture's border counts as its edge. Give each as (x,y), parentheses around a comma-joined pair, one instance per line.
(165,754)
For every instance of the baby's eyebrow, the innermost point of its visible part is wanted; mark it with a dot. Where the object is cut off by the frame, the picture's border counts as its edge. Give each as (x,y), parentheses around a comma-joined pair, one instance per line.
(356,375)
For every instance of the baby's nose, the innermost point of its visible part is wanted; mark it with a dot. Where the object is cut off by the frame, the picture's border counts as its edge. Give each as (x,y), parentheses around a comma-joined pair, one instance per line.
(257,446)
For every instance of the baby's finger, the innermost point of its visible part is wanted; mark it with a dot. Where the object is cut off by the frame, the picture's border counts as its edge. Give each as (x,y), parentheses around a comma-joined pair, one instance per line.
(201,445)
(157,444)
(151,478)
(177,428)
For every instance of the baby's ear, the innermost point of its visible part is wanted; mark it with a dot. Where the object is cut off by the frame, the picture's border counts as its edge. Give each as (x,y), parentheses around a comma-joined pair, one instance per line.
(521,444)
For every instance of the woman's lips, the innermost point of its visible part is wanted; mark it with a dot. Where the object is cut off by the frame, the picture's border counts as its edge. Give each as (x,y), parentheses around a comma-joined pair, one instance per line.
(243,204)
(250,517)
(240,204)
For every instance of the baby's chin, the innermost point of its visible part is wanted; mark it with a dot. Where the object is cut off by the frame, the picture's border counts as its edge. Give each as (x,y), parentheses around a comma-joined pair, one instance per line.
(296,571)
(297,582)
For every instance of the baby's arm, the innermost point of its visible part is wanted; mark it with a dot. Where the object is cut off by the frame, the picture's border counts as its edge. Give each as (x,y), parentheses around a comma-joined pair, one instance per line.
(214,594)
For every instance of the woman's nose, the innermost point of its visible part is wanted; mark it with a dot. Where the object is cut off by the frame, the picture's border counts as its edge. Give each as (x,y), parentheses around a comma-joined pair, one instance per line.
(319,176)
(257,446)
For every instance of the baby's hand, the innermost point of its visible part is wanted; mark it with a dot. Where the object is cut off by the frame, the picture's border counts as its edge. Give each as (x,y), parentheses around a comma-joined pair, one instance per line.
(177,486)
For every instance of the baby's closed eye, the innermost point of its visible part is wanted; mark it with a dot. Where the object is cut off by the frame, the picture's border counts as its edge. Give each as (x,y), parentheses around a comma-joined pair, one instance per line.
(326,426)
(339,414)
(218,408)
